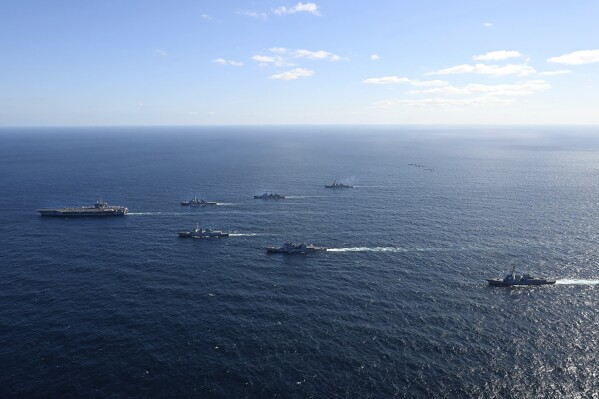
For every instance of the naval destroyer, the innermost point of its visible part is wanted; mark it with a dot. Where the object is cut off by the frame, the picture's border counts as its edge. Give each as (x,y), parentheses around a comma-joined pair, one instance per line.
(338,185)
(514,278)
(202,233)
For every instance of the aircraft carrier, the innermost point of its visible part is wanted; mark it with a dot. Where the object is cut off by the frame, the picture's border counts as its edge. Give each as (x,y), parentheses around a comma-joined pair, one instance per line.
(100,208)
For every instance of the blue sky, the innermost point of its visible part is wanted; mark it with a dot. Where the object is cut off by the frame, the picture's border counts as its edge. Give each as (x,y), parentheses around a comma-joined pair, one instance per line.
(133,62)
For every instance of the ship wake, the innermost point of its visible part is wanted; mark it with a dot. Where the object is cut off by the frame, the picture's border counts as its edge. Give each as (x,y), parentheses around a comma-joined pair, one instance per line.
(577,282)
(382,249)
(156,214)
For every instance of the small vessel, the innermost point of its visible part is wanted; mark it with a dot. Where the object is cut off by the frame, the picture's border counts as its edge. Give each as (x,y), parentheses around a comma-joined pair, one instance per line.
(519,279)
(267,196)
(293,248)
(100,208)
(197,202)
(202,233)
(338,185)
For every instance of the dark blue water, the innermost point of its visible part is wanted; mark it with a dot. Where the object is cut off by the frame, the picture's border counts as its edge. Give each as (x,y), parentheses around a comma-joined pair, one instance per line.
(121,307)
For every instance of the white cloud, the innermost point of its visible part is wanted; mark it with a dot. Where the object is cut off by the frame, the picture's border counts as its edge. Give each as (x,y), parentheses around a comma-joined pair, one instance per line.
(478,95)
(293,74)
(442,102)
(483,69)
(222,61)
(374,57)
(311,8)
(521,89)
(283,57)
(160,52)
(396,80)
(253,14)
(577,58)
(554,73)
(497,55)
(276,60)
(266,59)
(428,83)
(278,50)
(487,24)
(386,80)
(316,55)
(207,17)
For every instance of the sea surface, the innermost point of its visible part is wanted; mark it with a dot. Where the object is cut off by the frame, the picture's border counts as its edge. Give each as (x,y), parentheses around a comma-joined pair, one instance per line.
(122,307)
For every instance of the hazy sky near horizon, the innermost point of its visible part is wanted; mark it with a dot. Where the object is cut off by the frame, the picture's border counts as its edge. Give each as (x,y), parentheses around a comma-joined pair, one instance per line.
(139,62)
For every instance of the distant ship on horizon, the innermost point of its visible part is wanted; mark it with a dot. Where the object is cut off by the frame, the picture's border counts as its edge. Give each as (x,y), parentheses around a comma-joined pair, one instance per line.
(100,208)
(267,196)
(197,202)
(290,248)
(338,185)
(202,233)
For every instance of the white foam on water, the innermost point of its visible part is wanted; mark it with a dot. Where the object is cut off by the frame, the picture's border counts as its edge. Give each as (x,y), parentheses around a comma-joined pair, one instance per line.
(577,282)
(242,234)
(387,249)
(368,249)
(155,213)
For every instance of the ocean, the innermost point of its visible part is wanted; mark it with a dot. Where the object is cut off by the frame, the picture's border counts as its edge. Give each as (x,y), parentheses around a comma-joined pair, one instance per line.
(398,307)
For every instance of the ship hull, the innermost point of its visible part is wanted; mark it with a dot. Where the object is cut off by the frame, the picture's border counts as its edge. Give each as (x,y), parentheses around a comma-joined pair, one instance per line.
(293,252)
(190,234)
(82,213)
(501,283)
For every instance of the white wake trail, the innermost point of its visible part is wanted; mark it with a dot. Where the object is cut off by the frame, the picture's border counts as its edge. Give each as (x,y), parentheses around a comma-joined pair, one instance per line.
(368,249)
(155,213)
(577,282)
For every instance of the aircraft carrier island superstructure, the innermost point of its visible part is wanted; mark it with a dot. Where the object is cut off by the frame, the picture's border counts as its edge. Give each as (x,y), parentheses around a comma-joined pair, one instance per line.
(100,208)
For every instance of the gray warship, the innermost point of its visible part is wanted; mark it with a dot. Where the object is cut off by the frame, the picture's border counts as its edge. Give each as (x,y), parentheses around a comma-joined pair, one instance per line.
(99,209)
(202,233)
(338,185)
(267,196)
(197,202)
(513,279)
(290,248)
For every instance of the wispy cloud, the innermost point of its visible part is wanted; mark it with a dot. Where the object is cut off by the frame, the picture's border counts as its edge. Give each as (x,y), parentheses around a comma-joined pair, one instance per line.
(253,14)
(293,74)
(206,17)
(278,50)
(397,80)
(282,57)
(311,8)
(317,55)
(160,52)
(505,90)
(487,24)
(385,80)
(443,102)
(555,73)
(483,69)
(222,61)
(497,55)
(577,58)
(374,57)
(276,60)
(478,94)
